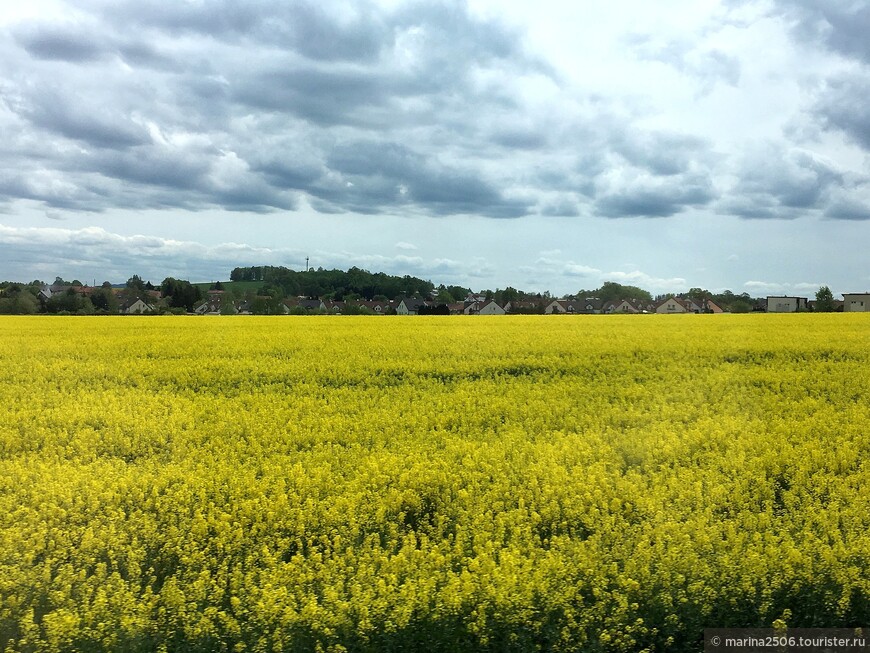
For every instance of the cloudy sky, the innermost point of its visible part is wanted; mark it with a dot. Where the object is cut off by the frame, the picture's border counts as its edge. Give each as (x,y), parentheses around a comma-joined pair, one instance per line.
(543,145)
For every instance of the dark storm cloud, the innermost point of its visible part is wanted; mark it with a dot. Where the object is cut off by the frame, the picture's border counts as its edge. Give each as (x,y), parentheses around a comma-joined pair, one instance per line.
(153,166)
(323,97)
(254,196)
(520,139)
(785,184)
(841,25)
(656,198)
(428,54)
(150,101)
(52,191)
(15,185)
(313,33)
(290,174)
(305,27)
(561,208)
(753,208)
(800,180)
(397,175)
(847,209)
(139,53)
(214,19)
(358,32)
(66,114)
(373,157)
(449,192)
(454,37)
(74,43)
(423,109)
(843,105)
(61,43)
(325,207)
(661,153)
(628,172)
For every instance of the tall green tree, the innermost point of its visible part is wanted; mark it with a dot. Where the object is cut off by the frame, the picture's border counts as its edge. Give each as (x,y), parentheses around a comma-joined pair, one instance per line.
(104,299)
(17,299)
(69,302)
(509,294)
(136,283)
(612,291)
(444,296)
(698,293)
(740,306)
(180,293)
(825,300)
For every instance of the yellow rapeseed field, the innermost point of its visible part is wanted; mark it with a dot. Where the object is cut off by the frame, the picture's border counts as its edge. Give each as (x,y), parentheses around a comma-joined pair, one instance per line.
(565,483)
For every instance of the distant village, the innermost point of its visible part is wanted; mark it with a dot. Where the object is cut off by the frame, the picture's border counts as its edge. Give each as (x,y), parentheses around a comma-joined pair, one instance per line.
(181,297)
(479,304)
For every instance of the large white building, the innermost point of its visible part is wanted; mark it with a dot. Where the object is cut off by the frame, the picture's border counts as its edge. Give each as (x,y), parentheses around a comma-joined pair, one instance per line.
(786,304)
(856,301)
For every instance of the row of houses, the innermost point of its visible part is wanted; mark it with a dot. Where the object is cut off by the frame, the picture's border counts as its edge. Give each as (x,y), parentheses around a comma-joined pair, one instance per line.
(672,305)
(477,305)
(218,302)
(128,305)
(852,302)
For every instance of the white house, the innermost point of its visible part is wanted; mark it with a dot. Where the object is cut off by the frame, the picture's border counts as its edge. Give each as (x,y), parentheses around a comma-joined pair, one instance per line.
(491,308)
(557,306)
(711,307)
(409,306)
(671,306)
(378,308)
(624,306)
(785,304)
(587,305)
(312,305)
(136,307)
(856,302)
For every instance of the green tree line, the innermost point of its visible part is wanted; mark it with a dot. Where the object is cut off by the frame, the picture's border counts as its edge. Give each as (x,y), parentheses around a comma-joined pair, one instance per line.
(354,283)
